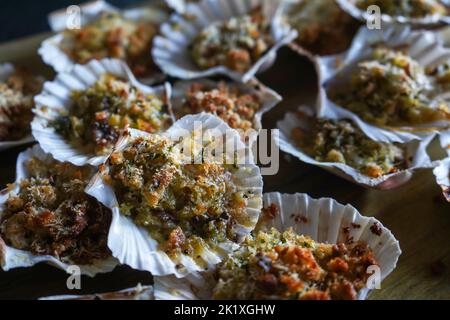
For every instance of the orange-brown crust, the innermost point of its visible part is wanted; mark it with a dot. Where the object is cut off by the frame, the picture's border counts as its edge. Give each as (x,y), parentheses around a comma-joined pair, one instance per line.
(295,267)
(52,215)
(225,101)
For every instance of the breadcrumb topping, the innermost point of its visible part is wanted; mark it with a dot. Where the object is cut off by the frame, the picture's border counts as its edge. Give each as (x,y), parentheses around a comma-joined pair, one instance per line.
(185,207)
(16,102)
(284,265)
(343,142)
(98,115)
(390,88)
(225,101)
(52,215)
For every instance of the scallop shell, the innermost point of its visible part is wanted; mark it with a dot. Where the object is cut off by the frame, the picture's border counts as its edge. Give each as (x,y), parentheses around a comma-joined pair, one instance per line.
(170,50)
(56,97)
(442,174)
(423,46)
(327,222)
(178,5)
(6,69)
(137,293)
(133,245)
(428,21)
(11,258)
(444,35)
(50,48)
(415,149)
(268,97)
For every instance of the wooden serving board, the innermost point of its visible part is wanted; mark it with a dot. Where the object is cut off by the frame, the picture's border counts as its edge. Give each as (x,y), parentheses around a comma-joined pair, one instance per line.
(416,212)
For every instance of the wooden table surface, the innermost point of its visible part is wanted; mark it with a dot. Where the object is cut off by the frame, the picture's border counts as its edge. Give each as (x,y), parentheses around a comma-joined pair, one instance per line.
(416,212)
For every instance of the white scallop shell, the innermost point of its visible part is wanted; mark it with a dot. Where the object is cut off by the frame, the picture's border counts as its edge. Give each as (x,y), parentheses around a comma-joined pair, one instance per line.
(6,69)
(357,13)
(415,150)
(137,293)
(178,5)
(170,50)
(267,96)
(11,258)
(56,98)
(423,46)
(442,174)
(50,48)
(133,245)
(326,220)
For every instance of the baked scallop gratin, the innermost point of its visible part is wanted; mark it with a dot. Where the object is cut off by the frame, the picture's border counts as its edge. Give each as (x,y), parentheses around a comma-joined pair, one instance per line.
(236,43)
(226,101)
(284,265)
(185,207)
(113,36)
(323,27)
(392,89)
(17,92)
(52,215)
(342,141)
(97,115)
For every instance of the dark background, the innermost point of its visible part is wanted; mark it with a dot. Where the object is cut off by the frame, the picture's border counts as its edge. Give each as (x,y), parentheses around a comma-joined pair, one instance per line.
(20,18)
